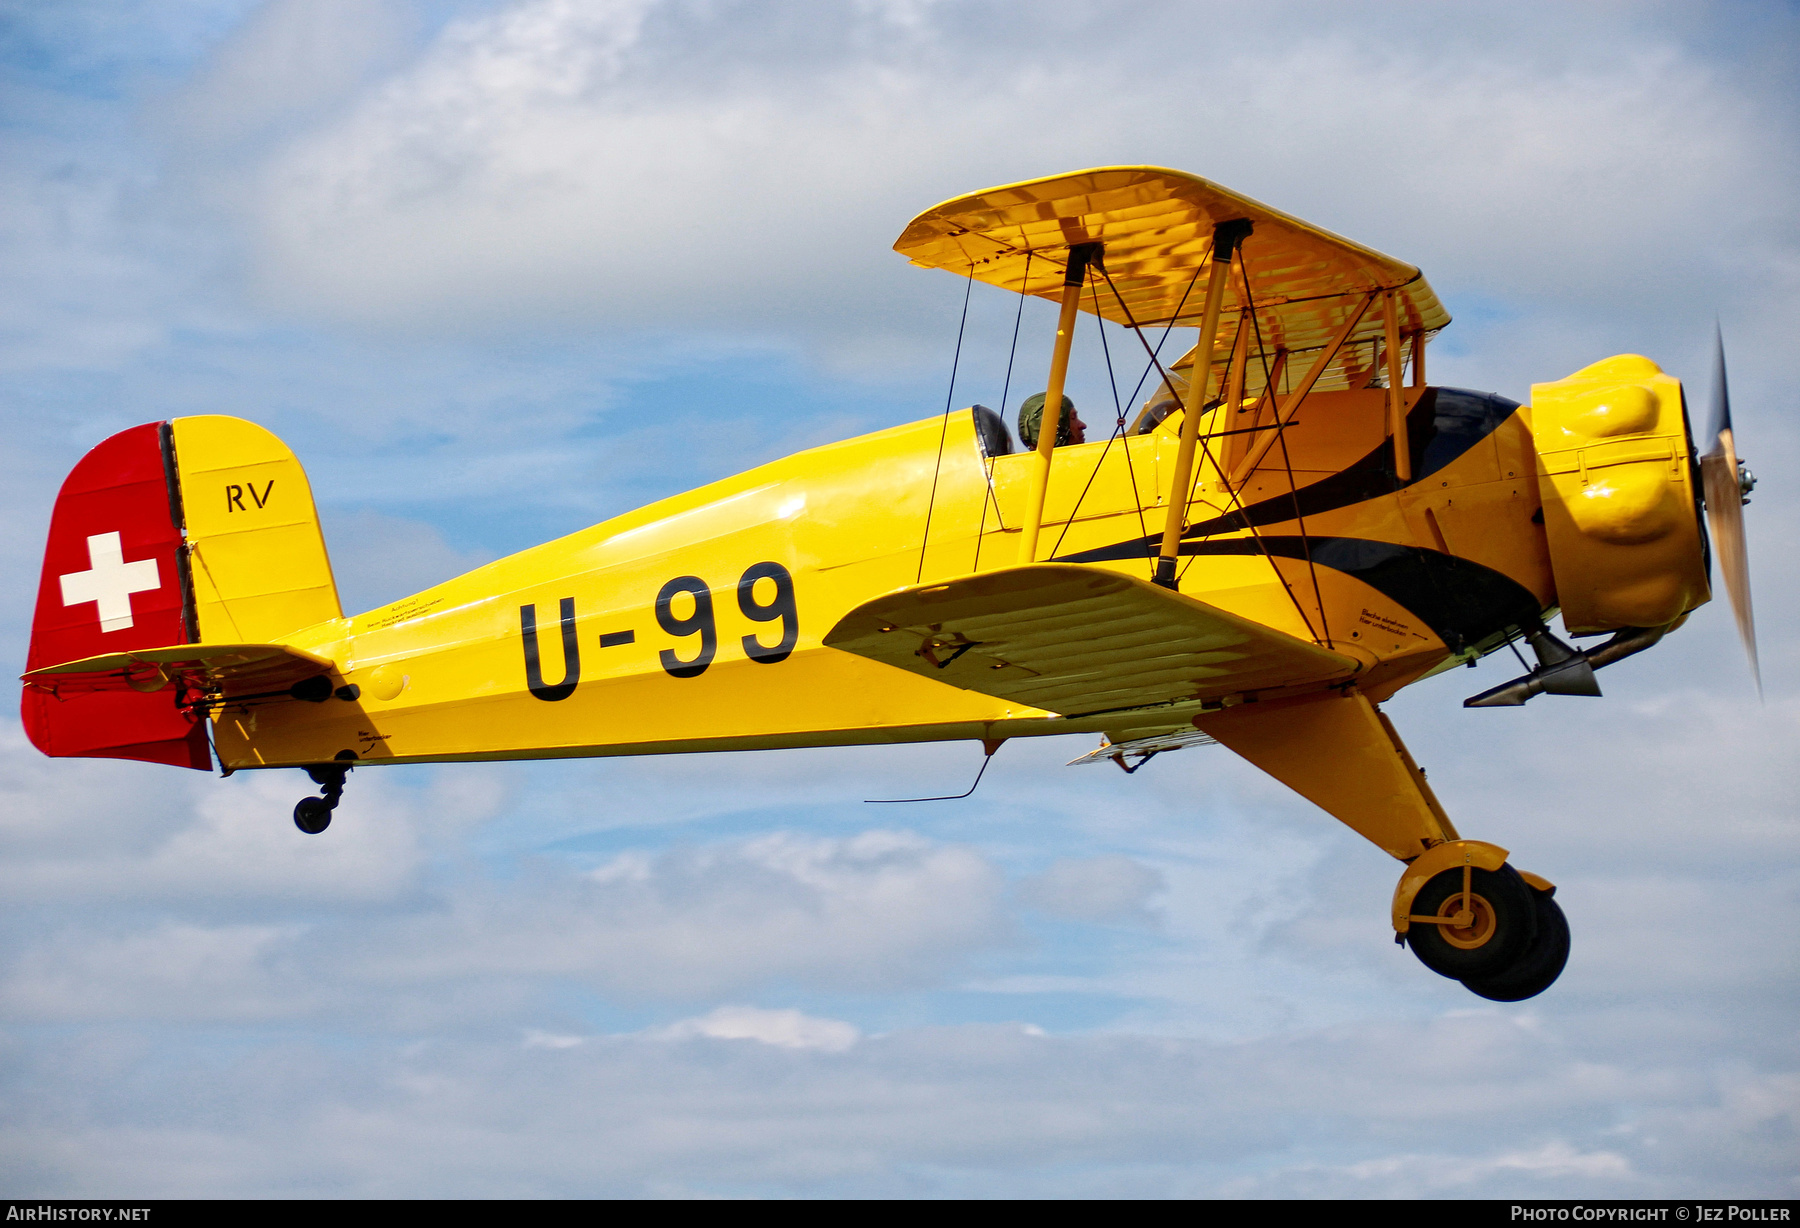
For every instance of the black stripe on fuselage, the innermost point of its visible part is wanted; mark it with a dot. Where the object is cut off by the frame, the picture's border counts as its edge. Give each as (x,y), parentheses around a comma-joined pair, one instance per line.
(1465,603)
(1442,425)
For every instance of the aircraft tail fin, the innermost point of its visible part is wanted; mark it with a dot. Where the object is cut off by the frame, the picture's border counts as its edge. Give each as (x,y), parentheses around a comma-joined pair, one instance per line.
(167,534)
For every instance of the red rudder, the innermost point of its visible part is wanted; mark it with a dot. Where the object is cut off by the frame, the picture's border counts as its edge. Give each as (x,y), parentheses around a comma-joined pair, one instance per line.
(114,580)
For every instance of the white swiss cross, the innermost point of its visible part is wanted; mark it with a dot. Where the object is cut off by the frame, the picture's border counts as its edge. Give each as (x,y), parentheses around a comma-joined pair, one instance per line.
(110,581)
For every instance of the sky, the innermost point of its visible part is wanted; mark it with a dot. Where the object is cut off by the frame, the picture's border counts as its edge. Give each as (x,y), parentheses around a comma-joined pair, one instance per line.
(498,271)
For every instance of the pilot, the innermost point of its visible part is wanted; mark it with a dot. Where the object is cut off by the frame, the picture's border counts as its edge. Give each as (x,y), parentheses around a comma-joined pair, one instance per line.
(1069,427)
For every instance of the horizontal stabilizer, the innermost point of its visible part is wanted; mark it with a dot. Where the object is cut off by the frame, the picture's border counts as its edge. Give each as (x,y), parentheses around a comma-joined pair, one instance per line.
(1077,641)
(230,670)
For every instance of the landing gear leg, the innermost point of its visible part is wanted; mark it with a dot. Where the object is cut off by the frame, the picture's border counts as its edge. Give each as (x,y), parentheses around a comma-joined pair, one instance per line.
(312,815)
(1463,910)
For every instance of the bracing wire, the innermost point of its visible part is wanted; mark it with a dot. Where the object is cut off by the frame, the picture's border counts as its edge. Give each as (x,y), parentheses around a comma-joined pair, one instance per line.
(1236,504)
(1018,317)
(1236,501)
(1117,433)
(1151,363)
(1005,389)
(1119,430)
(1288,464)
(1205,448)
(1516,652)
(944,430)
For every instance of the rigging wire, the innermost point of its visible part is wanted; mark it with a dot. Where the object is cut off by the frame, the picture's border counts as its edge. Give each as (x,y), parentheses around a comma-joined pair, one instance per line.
(1287,463)
(1118,433)
(1149,365)
(1205,448)
(1119,429)
(1005,389)
(1167,328)
(1515,650)
(944,430)
(1236,502)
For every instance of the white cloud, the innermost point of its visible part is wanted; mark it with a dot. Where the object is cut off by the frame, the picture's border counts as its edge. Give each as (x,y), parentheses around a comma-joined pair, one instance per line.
(1448,1175)
(921,1111)
(616,165)
(84,831)
(168,971)
(788,1029)
(1108,888)
(377,558)
(290,62)
(874,911)
(536,1038)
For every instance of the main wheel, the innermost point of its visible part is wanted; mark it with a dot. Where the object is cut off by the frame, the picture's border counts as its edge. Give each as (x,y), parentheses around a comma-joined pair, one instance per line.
(1542,963)
(1499,928)
(312,815)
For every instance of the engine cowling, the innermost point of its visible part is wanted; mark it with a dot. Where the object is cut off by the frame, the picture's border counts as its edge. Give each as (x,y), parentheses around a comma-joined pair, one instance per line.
(1617,478)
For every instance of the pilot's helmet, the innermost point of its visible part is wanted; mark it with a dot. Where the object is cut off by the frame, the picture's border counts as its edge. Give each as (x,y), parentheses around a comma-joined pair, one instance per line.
(1032,413)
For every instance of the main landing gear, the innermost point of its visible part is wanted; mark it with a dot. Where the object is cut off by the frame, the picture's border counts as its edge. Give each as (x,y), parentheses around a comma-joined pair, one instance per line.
(312,815)
(1503,936)
(1465,912)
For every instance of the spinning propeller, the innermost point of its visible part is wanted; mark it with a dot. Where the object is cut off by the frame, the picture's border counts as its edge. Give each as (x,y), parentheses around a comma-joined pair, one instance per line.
(1727,485)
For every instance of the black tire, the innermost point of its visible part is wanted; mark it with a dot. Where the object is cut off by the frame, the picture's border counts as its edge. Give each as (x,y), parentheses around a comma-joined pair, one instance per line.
(1541,964)
(312,815)
(1506,900)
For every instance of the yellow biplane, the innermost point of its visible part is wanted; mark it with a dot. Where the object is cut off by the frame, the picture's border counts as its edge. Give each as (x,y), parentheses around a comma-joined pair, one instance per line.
(1291,528)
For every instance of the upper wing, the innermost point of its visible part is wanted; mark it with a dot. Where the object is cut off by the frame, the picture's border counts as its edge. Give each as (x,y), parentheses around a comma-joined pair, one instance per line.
(1078,641)
(227,669)
(1157,226)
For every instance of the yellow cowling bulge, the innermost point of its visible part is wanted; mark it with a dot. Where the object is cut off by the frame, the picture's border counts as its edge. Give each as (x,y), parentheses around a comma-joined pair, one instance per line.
(1616,477)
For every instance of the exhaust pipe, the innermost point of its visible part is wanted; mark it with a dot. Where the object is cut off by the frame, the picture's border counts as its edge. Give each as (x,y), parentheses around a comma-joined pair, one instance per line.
(1563,670)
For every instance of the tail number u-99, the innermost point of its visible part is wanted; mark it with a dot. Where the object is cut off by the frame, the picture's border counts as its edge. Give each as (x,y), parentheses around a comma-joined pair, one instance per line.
(765,594)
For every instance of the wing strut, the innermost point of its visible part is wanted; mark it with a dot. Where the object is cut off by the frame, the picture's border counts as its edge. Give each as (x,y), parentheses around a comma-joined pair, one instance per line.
(1226,237)
(1396,396)
(1074,279)
(1291,405)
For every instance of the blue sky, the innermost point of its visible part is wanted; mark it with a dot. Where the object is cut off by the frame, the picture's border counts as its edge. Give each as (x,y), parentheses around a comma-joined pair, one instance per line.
(500,270)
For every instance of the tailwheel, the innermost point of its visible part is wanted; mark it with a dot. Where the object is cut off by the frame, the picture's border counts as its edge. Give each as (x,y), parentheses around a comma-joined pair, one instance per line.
(1471,925)
(312,815)
(1537,969)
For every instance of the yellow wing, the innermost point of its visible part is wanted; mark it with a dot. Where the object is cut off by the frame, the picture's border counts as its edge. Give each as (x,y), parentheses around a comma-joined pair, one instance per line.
(1078,641)
(1157,226)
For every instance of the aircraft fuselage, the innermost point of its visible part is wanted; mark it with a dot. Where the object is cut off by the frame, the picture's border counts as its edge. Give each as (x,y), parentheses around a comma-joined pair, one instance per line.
(695,623)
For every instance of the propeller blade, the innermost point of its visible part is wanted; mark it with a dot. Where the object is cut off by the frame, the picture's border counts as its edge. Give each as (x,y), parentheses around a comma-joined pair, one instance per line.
(1721,406)
(1724,492)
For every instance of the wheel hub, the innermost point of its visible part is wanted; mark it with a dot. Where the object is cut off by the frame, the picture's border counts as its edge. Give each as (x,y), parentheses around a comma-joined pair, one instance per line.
(1467,921)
